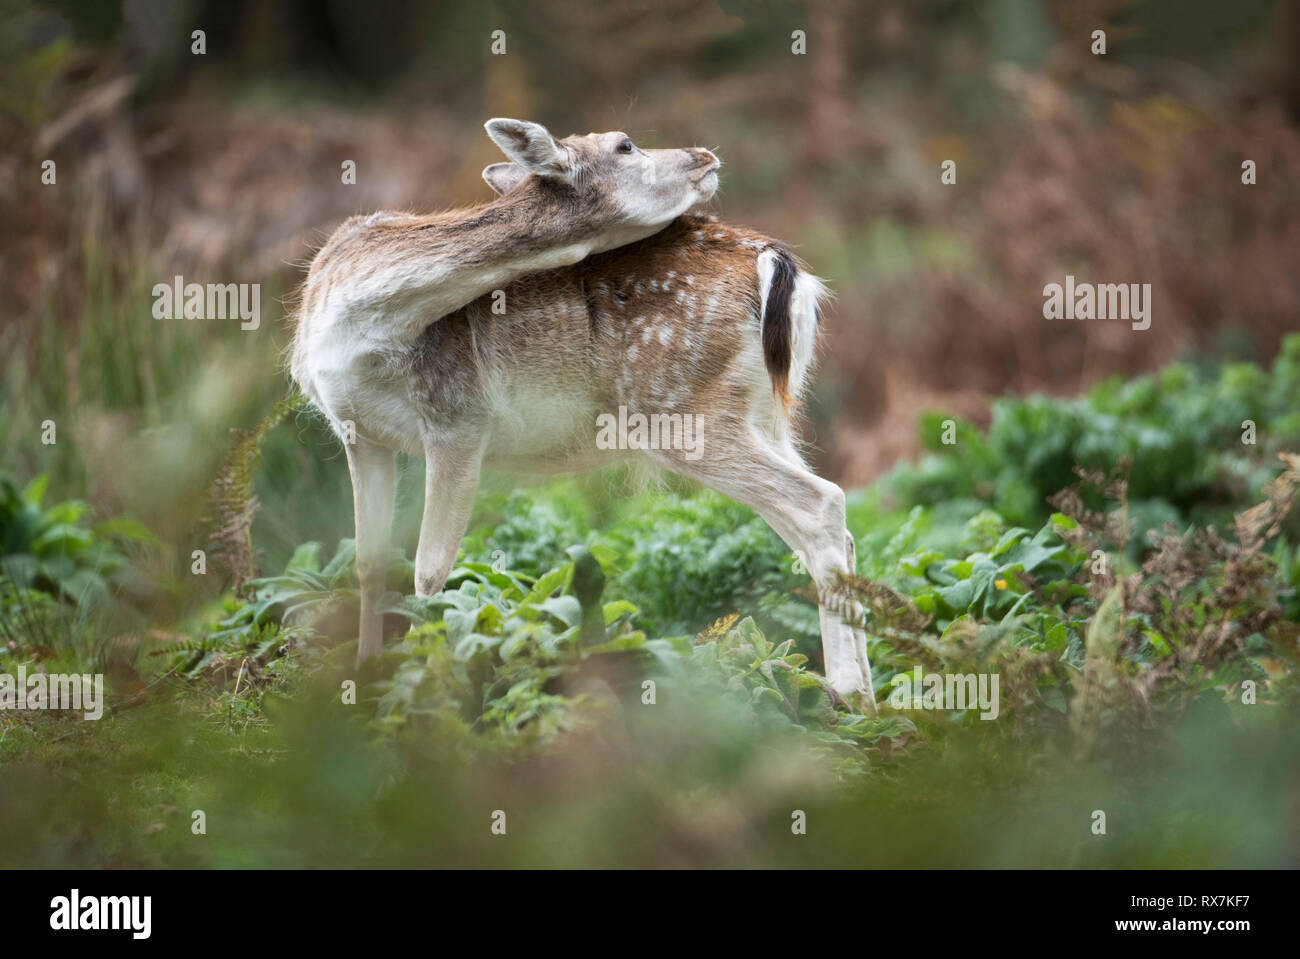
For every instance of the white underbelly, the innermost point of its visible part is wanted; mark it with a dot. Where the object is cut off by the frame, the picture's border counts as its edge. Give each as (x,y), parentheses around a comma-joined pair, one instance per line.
(531,428)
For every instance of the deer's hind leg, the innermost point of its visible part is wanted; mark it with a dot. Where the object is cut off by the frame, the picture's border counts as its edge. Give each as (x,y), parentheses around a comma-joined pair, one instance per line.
(808,513)
(374,484)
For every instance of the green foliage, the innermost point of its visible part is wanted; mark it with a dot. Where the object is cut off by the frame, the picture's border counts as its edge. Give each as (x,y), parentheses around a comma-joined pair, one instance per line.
(1069,629)
(498,650)
(1180,429)
(53,550)
(517,653)
(261,645)
(688,560)
(683,560)
(735,658)
(989,584)
(266,619)
(529,535)
(31,620)
(505,664)
(501,665)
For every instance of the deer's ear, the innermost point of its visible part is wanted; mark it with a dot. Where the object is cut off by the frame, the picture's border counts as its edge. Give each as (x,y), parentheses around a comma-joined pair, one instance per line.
(532,147)
(504,177)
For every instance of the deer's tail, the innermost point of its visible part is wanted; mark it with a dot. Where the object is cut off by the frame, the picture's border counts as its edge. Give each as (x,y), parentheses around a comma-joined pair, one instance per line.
(791,298)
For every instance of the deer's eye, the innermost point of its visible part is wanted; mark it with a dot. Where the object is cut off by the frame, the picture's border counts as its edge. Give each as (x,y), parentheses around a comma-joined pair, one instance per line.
(626,146)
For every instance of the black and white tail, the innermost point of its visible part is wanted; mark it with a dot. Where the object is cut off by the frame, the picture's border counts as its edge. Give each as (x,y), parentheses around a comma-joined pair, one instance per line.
(791,298)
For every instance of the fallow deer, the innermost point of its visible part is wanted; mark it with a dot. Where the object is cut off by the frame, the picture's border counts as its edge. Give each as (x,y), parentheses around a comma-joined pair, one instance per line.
(697,318)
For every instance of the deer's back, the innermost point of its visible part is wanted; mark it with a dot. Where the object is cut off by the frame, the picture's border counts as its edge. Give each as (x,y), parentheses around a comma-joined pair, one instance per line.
(671,324)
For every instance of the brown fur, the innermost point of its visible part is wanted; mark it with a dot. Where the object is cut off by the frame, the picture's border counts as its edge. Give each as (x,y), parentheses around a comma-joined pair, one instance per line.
(494,241)
(586,326)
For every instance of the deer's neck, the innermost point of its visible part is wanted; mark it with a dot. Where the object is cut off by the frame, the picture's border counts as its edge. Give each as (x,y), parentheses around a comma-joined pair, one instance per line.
(525,223)
(382,279)
(427,267)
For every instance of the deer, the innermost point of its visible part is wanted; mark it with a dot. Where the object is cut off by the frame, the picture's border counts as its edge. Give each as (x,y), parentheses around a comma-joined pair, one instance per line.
(499,336)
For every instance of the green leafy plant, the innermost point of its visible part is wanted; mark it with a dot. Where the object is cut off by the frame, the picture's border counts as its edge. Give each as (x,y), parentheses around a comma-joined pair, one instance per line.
(1069,627)
(499,650)
(52,548)
(1182,430)
(772,679)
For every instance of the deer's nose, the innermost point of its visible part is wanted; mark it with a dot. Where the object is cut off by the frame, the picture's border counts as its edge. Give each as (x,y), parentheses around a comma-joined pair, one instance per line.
(704,158)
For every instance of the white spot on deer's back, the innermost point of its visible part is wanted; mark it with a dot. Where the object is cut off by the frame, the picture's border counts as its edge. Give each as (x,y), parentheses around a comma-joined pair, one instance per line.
(632,354)
(665,334)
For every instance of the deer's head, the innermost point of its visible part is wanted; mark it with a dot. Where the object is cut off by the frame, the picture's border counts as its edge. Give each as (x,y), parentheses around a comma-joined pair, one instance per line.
(639,191)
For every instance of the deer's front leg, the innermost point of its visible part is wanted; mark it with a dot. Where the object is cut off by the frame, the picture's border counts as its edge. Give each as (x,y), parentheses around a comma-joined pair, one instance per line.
(374,483)
(451,474)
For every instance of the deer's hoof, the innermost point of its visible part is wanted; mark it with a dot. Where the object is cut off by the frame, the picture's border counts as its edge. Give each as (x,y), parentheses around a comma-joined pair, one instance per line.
(856,693)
